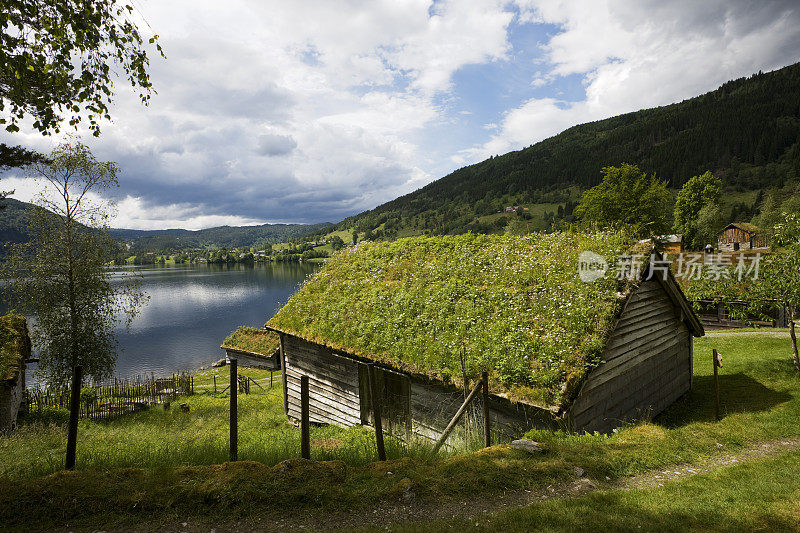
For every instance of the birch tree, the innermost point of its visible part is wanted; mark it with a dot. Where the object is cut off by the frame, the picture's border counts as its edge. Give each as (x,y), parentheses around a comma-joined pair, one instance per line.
(61,278)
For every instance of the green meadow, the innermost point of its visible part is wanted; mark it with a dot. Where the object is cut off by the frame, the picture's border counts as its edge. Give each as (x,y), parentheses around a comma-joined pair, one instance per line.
(159,465)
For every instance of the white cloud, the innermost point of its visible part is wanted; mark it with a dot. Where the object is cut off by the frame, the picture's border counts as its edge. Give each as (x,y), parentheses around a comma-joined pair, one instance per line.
(314,110)
(133,213)
(295,111)
(634,55)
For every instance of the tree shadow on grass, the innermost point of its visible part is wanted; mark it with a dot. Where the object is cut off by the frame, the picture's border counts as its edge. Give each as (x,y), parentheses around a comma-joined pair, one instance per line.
(738,393)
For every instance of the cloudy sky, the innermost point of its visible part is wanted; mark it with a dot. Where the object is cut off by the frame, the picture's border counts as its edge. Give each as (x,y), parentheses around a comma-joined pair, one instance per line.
(308,111)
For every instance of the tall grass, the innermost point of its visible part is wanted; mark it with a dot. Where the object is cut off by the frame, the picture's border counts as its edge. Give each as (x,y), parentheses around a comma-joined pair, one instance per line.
(158,438)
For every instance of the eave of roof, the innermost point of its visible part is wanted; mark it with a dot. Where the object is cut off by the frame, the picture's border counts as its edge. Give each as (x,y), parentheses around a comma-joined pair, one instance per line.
(744,226)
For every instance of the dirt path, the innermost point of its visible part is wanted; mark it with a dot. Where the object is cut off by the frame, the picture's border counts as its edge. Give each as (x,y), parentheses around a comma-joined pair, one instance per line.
(480,506)
(729,333)
(753,452)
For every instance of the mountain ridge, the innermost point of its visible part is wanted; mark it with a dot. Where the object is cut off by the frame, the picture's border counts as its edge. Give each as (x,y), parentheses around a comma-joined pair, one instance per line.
(747,131)
(14,230)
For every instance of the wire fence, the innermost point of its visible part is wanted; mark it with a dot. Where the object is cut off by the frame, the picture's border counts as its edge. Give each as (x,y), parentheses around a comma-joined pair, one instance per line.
(112,398)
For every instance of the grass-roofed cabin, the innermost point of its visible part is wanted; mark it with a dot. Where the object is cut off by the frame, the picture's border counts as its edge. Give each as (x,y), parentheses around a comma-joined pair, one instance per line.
(253,347)
(560,352)
(15,350)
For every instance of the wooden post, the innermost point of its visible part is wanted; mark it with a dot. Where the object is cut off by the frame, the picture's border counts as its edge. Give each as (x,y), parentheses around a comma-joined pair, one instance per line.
(375,398)
(305,436)
(215,384)
(270,379)
(234,414)
(74,411)
(284,376)
(487,423)
(457,417)
(717,364)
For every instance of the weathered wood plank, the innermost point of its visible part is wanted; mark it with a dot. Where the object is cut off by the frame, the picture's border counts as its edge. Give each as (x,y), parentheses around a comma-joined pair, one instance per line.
(349,400)
(635,354)
(639,332)
(620,366)
(323,359)
(645,314)
(649,337)
(321,414)
(646,364)
(633,379)
(347,374)
(648,394)
(335,382)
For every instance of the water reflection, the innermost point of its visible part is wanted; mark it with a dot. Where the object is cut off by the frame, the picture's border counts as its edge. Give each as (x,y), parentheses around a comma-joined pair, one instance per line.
(192,308)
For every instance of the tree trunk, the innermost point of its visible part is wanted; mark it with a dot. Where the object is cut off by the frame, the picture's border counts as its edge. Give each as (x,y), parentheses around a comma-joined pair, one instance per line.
(73,311)
(795,358)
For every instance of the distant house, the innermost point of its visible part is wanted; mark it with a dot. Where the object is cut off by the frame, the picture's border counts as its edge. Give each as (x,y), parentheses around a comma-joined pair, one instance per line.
(670,244)
(741,236)
(718,314)
(584,356)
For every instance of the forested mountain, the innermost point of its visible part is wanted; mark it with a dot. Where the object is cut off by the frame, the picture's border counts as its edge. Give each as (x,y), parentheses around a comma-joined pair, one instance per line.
(747,132)
(14,229)
(221,236)
(14,221)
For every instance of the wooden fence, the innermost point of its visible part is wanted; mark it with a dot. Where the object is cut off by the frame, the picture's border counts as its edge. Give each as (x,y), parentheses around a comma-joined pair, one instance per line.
(113,398)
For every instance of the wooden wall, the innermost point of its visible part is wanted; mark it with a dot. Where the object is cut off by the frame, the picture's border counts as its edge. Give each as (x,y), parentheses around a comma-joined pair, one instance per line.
(734,239)
(647,365)
(412,405)
(332,383)
(252,360)
(11,395)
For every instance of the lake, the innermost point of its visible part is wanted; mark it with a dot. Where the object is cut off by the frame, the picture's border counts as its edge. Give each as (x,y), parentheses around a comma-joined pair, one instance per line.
(192,308)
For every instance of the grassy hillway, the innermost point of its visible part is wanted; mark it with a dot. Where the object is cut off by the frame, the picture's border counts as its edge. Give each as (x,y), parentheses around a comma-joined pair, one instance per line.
(156,470)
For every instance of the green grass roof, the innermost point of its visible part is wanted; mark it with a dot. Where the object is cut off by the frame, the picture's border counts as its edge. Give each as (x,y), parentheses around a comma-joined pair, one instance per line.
(747,226)
(15,346)
(513,306)
(252,340)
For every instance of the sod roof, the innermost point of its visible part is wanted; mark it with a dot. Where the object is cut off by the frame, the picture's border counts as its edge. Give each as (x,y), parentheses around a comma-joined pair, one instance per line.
(747,226)
(252,340)
(513,306)
(15,346)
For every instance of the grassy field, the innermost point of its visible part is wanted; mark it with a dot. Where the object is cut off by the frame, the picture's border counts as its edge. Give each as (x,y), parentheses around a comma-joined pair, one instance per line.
(161,466)
(758,496)
(159,439)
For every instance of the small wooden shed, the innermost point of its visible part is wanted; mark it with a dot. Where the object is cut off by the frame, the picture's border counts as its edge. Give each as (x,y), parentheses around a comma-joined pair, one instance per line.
(741,236)
(670,244)
(430,314)
(253,348)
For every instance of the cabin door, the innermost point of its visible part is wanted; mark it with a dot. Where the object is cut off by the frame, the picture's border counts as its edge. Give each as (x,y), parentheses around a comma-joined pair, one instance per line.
(395,390)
